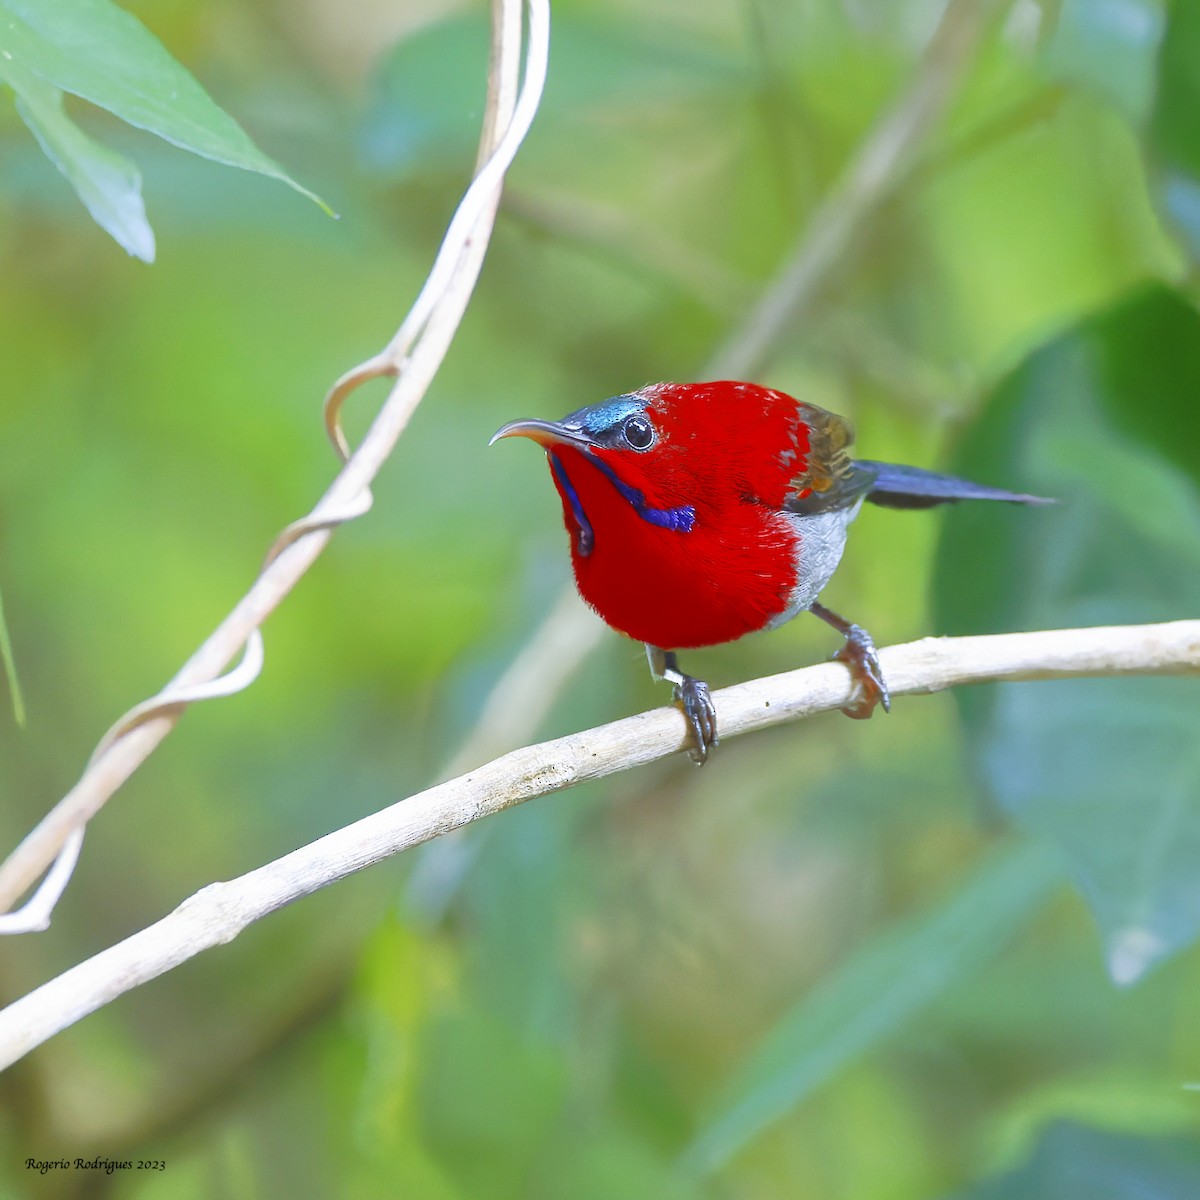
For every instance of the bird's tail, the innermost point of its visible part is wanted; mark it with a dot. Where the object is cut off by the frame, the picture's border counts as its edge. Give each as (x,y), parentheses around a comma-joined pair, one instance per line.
(895,486)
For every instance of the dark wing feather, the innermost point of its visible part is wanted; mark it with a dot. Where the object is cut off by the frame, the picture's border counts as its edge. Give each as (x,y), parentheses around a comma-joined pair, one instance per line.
(895,486)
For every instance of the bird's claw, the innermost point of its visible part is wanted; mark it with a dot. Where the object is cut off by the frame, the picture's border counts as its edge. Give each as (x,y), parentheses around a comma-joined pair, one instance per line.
(859,655)
(693,697)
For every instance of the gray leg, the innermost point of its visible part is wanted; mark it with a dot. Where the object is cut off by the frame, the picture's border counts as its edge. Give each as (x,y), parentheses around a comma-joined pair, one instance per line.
(693,697)
(859,655)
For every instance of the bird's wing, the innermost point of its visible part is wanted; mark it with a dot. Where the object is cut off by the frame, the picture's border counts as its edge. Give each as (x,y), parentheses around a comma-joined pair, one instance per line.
(895,486)
(830,478)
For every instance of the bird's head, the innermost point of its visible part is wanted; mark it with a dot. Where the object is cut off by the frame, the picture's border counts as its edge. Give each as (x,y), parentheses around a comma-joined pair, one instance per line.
(672,453)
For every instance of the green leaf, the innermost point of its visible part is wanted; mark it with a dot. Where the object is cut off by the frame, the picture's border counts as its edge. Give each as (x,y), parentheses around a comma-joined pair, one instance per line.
(884,984)
(1174,126)
(1108,46)
(93,49)
(109,185)
(1073,1161)
(1107,770)
(10,670)
(1035,233)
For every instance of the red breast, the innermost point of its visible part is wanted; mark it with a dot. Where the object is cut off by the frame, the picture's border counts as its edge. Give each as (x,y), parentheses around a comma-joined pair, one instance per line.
(727,576)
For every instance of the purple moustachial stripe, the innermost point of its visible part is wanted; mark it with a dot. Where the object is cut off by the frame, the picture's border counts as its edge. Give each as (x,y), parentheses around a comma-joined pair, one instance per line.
(680,519)
(584,536)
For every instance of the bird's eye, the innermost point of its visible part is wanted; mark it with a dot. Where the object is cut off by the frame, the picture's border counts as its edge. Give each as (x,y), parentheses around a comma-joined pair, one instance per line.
(638,432)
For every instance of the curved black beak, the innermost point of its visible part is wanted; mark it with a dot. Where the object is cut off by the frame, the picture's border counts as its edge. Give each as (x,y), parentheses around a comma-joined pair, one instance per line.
(545,433)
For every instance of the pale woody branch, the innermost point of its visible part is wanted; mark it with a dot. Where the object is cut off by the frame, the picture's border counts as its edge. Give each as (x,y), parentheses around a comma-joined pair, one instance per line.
(219,912)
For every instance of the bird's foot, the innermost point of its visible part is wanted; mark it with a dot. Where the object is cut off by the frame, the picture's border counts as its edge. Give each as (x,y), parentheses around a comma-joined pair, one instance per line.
(692,695)
(859,655)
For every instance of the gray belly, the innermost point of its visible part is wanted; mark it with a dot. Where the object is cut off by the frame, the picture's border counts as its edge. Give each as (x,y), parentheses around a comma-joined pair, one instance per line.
(822,537)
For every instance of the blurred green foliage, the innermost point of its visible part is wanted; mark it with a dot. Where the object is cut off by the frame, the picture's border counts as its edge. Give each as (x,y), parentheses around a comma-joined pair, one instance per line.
(95,50)
(826,966)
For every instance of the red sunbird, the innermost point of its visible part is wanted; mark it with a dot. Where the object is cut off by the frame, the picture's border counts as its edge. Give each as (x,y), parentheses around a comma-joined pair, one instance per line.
(700,512)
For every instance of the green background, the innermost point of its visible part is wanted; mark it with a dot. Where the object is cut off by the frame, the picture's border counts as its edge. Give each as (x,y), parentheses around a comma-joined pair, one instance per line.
(948,953)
